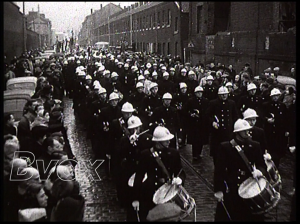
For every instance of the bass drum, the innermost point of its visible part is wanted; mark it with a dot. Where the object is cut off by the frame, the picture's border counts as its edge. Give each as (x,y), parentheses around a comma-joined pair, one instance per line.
(260,196)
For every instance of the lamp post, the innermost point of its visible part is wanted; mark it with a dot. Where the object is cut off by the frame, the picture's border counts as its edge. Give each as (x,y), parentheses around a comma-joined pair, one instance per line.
(24,27)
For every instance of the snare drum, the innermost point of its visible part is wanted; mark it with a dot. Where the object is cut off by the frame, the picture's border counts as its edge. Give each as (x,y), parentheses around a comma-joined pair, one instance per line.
(259,195)
(173,204)
(273,175)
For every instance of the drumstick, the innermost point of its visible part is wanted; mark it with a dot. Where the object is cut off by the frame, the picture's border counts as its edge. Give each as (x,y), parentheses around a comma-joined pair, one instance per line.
(143,132)
(172,185)
(225,209)
(168,191)
(137,215)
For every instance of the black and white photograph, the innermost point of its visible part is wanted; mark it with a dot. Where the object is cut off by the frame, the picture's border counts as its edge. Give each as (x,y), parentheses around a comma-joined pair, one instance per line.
(149,111)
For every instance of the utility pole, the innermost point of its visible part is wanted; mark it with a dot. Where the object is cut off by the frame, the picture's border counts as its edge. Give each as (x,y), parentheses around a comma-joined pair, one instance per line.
(24,27)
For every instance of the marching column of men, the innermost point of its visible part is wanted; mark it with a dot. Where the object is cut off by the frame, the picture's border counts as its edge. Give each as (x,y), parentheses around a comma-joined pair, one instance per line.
(118,99)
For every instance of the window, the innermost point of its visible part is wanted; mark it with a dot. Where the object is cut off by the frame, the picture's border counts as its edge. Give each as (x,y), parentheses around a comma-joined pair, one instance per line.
(158,19)
(159,48)
(164,49)
(163,18)
(176,24)
(154,20)
(176,46)
(168,52)
(169,17)
(151,21)
(199,14)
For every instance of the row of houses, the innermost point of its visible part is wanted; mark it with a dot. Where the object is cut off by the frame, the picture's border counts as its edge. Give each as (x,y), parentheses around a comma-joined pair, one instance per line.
(26,32)
(259,33)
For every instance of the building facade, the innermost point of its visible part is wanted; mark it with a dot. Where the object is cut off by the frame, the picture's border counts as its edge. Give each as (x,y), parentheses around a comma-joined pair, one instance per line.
(143,26)
(37,22)
(259,33)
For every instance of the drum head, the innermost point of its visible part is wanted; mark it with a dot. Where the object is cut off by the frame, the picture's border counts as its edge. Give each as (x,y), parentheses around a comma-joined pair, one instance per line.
(160,196)
(249,188)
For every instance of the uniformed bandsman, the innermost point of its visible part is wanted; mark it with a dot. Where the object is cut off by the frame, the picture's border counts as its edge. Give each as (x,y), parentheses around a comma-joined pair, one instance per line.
(156,176)
(221,113)
(197,125)
(275,126)
(167,116)
(231,171)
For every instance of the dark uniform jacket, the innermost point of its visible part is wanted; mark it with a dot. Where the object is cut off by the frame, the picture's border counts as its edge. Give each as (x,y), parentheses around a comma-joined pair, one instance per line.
(210,92)
(168,116)
(149,103)
(258,134)
(275,133)
(247,101)
(166,86)
(230,172)
(197,125)
(191,84)
(136,100)
(144,192)
(226,112)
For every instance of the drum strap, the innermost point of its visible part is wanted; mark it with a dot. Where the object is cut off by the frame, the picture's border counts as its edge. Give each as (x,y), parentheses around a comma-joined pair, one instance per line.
(242,154)
(160,163)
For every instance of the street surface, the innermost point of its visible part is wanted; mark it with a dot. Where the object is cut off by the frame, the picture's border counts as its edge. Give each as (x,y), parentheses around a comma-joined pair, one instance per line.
(101,203)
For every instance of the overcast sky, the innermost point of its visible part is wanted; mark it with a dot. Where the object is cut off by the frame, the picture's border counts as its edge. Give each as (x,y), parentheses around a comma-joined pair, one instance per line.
(66,15)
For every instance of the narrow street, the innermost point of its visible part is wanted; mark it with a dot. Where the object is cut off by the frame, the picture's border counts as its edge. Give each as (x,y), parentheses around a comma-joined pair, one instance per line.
(101,203)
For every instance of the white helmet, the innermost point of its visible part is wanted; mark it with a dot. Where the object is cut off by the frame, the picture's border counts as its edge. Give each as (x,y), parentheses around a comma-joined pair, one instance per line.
(249,113)
(154,73)
(106,72)
(209,77)
(198,88)
(113,96)
(182,85)
(126,65)
(162,134)
(148,65)
(241,125)
(96,82)
(166,74)
(141,77)
(183,70)
(81,73)
(78,70)
(65,62)
(139,84)
(146,72)
(153,84)
(223,90)
(116,60)
(191,72)
(88,77)
(101,68)
(228,84)
(134,122)
(134,68)
(172,69)
(251,86)
(163,67)
(167,96)
(114,74)
(102,90)
(127,107)
(275,91)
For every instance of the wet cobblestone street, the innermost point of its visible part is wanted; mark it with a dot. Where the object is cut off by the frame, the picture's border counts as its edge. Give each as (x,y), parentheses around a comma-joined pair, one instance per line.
(100,195)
